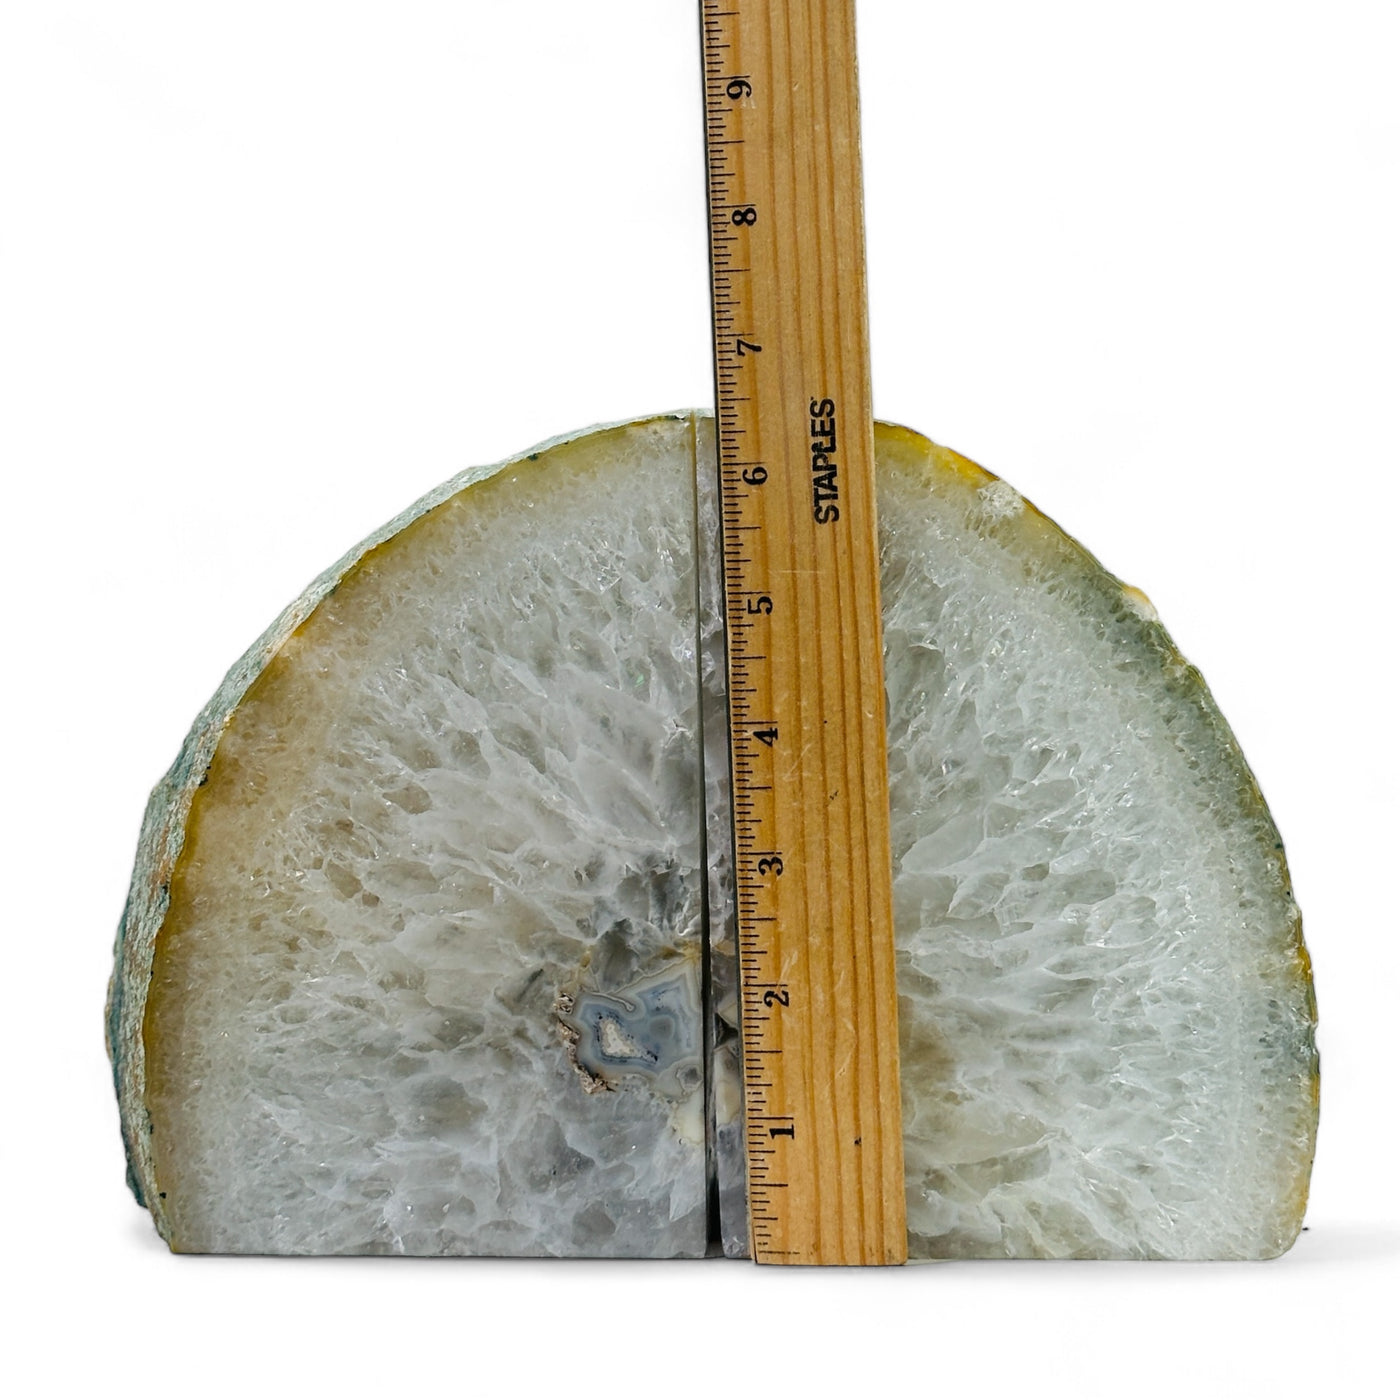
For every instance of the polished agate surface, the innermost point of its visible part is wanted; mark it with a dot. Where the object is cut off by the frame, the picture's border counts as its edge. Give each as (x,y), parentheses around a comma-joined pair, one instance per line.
(430,949)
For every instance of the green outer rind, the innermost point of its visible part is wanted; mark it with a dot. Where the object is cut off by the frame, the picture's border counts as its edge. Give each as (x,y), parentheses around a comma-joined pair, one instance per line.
(164,825)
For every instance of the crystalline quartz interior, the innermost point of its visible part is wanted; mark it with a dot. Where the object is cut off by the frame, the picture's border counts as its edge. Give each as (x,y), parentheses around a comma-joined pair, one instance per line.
(429,946)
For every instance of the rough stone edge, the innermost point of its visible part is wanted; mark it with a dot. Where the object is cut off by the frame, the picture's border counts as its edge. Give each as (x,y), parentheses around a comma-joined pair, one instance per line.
(167,811)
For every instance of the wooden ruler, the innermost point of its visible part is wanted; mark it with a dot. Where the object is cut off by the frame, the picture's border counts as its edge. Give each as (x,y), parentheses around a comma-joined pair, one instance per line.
(802,606)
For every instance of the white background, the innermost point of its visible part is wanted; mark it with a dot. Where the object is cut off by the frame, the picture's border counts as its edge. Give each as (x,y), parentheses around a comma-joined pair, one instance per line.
(270,270)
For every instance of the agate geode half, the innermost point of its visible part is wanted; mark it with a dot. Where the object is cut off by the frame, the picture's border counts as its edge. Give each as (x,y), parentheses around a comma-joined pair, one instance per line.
(429,945)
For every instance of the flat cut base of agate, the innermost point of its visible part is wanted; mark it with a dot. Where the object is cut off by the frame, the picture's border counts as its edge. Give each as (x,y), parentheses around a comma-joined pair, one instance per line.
(430,945)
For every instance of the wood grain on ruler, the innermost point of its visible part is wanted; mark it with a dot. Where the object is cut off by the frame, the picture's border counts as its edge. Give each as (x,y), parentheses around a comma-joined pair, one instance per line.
(807,699)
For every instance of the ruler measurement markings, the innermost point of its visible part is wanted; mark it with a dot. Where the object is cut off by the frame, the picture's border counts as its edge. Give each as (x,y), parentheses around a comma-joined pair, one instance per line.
(785,687)
(763,196)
